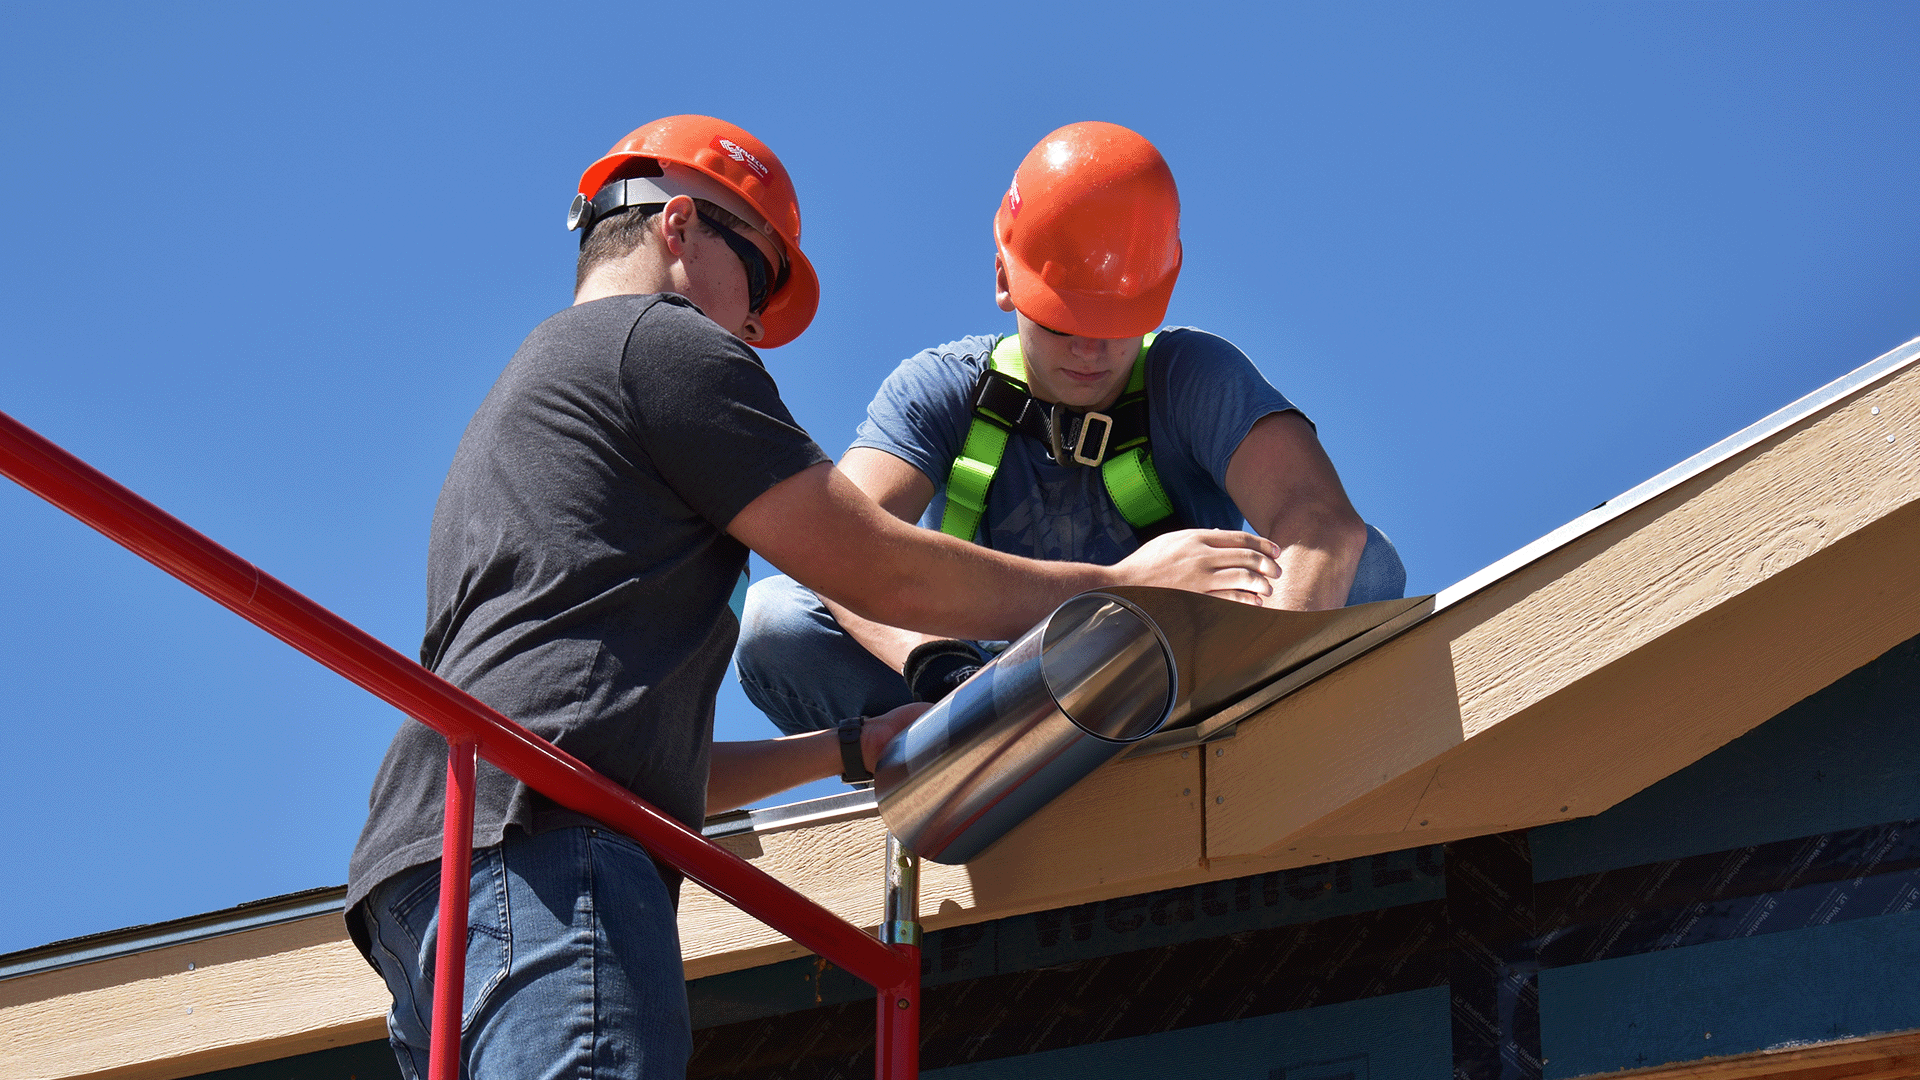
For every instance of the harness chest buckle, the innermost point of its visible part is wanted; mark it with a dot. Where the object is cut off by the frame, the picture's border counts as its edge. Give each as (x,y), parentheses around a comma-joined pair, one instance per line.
(1083,439)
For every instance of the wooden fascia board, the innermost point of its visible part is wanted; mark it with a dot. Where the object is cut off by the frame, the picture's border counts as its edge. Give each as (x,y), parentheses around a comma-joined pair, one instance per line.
(1879,1057)
(1131,826)
(257,995)
(1641,717)
(1608,663)
(1134,826)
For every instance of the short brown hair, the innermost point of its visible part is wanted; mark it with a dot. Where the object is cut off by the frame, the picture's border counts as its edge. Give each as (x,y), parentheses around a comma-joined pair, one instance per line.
(621,232)
(612,237)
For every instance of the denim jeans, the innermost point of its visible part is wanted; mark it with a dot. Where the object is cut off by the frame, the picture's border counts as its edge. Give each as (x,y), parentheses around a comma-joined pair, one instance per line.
(800,668)
(573,961)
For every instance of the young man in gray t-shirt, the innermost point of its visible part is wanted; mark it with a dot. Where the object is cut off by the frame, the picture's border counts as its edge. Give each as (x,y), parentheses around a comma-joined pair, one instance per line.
(594,523)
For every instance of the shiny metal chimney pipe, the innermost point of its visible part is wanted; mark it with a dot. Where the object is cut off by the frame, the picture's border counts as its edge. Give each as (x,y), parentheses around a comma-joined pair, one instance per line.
(1102,674)
(1092,678)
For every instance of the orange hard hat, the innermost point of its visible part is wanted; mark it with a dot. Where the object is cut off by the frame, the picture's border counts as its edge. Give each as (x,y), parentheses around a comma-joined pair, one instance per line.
(1089,232)
(722,163)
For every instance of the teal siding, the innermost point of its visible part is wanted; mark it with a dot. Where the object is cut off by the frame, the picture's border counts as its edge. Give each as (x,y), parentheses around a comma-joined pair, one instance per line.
(1843,758)
(1396,1037)
(360,1061)
(1732,997)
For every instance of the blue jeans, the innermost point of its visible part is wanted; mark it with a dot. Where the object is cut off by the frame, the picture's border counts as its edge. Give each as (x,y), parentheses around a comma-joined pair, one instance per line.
(800,668)
(573,961)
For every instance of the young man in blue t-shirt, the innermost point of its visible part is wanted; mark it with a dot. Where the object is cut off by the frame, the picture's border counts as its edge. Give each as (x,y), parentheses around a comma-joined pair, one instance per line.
(1088,252)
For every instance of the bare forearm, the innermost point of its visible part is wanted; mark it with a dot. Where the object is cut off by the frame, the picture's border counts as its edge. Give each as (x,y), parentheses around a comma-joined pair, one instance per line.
(888,643)
(826,533)
(896,574)
(1281,479)
(903,492)
(747,772)
(743,773)
(935,586)
(1317,559)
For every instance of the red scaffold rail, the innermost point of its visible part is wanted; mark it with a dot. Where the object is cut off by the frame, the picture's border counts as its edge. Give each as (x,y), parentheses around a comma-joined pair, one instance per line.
(471,729)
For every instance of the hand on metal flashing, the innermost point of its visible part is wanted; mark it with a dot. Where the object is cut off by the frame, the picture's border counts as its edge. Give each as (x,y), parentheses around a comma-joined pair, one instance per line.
(880,730)
(1222,562)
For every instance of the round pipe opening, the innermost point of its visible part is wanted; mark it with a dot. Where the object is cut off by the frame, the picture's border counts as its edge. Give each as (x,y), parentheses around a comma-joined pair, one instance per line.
(1108,668)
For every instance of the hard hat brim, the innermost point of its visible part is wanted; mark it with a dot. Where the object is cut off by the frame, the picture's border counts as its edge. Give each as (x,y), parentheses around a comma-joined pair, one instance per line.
(1099,315)
(792,308)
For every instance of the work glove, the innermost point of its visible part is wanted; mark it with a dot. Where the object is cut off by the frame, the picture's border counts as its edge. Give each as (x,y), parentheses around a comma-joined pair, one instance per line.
(933,670)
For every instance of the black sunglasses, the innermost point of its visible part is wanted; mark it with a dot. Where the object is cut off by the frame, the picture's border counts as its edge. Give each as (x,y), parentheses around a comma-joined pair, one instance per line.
(761,282)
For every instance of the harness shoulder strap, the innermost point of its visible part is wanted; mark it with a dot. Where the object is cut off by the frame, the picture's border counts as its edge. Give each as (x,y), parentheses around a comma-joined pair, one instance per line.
(1128,472)
(1006,359)
(986,444)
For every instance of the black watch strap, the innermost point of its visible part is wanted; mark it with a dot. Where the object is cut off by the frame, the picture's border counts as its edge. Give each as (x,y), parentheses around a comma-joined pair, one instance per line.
(853,763)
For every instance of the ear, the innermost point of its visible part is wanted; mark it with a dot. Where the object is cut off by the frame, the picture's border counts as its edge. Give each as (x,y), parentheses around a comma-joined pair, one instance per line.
(1002,295)
(673,223)
(753,331)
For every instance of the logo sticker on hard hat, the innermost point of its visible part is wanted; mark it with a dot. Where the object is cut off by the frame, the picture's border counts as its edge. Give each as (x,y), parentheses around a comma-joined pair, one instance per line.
(740,154)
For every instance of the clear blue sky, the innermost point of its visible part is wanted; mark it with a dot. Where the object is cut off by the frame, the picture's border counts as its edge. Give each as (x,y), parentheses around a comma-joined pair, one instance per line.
(261,262)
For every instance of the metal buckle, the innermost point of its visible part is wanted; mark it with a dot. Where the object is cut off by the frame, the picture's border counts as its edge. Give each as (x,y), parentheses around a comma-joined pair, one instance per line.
(996,395)
(1106,435)
(1055,421)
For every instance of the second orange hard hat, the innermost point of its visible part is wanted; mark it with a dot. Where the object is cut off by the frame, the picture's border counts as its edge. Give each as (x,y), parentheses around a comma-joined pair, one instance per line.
(733,170)
(1089,232)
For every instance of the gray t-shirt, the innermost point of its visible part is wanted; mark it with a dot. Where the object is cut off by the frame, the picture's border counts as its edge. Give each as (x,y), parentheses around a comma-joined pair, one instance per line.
(579,568)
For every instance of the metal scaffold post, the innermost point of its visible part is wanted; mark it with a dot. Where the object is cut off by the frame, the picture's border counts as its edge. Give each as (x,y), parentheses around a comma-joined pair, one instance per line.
(898,1023)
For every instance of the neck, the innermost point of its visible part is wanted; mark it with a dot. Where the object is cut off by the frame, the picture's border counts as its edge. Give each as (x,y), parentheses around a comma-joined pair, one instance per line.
(635,275)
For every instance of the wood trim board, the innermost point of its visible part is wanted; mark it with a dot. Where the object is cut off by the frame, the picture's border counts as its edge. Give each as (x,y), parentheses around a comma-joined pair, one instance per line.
(182,1010)
(1608,664)
(1884,1057)
(1131,822)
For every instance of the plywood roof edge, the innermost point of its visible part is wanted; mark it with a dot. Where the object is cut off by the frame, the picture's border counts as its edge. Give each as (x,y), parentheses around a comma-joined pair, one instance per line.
(1884,367)
(126,941)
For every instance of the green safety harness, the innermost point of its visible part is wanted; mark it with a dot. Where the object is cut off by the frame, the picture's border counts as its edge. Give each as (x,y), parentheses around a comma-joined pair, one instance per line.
(1116,441)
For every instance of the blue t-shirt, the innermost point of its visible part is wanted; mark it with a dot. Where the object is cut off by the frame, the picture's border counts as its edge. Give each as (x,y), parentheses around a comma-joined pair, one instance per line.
(1203,396)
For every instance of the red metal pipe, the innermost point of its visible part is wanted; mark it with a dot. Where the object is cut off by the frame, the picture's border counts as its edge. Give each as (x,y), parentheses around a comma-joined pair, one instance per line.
(149,532)
(450,951)
(897,1050)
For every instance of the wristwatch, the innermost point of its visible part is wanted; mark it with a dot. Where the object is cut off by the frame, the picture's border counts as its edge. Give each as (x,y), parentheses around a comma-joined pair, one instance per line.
(854,764)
